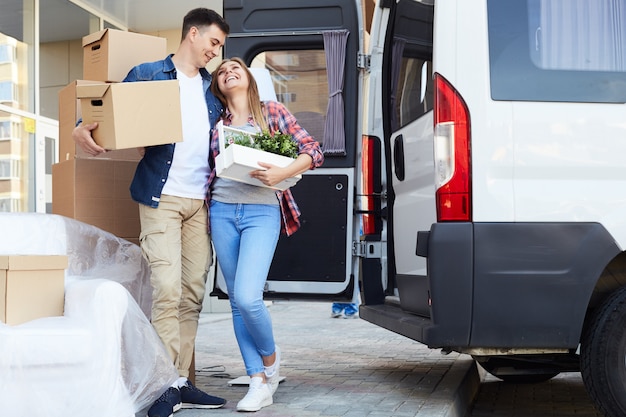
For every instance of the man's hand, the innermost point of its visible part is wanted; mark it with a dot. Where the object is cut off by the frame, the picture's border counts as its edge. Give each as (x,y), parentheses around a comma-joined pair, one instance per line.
(82,136)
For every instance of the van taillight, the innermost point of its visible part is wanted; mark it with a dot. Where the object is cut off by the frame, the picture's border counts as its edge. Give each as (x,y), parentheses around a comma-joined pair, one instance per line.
(368,204)
(452,154)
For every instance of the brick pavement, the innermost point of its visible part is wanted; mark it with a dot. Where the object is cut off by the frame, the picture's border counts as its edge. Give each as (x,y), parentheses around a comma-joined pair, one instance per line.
(562,396)
(336,367)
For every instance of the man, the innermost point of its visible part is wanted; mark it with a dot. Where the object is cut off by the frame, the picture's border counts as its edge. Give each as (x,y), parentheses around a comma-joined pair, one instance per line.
(170,187)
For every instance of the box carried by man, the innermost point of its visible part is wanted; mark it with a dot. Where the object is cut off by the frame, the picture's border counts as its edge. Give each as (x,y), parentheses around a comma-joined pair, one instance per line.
(132,115)
(109,54)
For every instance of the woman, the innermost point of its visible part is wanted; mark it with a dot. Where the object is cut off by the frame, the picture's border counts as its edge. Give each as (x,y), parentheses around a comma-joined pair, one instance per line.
(246,221)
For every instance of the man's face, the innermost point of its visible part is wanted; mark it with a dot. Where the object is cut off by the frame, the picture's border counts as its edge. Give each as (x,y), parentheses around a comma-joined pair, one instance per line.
(208,42)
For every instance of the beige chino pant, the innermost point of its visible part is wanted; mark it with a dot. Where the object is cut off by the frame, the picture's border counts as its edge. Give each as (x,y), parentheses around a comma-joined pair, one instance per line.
(175,242)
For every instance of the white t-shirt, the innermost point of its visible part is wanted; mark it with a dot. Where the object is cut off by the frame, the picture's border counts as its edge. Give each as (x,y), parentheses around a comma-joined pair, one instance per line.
(190,171)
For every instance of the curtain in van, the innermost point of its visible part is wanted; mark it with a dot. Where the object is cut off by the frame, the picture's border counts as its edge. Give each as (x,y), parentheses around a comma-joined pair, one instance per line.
(582,35)
(334,134)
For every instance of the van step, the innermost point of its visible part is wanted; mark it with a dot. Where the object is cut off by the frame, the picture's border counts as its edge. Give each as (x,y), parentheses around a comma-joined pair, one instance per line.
(393,318)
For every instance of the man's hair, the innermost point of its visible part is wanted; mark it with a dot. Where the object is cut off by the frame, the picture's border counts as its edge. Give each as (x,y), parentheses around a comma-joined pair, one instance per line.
(201,18)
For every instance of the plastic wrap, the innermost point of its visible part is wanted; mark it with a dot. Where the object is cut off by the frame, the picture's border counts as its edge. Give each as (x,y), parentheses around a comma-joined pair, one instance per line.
(103,357)
(92,252)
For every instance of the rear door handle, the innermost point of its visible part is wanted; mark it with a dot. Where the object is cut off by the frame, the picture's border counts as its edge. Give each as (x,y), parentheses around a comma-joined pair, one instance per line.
(398,157)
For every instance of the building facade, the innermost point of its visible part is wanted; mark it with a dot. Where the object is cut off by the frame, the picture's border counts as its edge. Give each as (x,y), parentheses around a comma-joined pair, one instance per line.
(40,53)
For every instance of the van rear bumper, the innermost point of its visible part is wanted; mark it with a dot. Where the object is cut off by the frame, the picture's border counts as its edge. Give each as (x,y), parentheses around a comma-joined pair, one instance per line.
(511,285)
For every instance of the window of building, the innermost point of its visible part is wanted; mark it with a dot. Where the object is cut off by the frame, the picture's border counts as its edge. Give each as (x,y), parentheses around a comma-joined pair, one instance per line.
(5,129)
(7,54)
(9,205)
(9,168)
(7,92)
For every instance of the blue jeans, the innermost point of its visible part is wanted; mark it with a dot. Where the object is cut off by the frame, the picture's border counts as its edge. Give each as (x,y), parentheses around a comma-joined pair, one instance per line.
(245,238)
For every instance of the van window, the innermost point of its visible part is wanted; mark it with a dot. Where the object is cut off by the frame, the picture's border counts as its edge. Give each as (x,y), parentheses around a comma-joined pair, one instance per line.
(558,50)
(412,96)
(301,84)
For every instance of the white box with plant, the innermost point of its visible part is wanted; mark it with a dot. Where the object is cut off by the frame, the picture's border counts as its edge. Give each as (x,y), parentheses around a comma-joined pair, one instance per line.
(240,152)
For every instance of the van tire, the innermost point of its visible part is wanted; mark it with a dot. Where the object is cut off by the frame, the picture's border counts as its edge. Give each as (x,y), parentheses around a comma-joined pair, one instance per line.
(603,353)
(517,370)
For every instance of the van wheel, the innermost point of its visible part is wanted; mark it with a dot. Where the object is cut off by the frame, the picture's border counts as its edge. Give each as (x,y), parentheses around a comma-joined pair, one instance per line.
(603,356)
(517,370)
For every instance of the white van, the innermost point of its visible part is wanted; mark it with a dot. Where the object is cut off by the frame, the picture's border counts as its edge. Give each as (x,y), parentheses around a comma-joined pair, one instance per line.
(475,177)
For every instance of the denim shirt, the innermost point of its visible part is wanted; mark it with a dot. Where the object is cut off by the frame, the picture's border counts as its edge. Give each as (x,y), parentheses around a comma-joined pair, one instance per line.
(154,167)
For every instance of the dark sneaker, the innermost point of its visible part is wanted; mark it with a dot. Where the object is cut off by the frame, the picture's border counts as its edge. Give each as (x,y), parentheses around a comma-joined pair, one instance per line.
(192,397)
(336,314)
(166,404)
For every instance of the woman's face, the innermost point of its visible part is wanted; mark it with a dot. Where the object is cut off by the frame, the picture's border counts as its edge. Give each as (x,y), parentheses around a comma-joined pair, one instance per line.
(231,77)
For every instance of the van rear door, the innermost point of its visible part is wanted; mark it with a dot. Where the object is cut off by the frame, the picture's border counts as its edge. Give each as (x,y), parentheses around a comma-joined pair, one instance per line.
(288,39)
(399,128)
(408,128)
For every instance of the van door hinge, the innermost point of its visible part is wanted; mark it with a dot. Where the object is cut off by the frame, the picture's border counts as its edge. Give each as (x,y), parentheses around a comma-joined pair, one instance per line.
(363,61)
(365,249)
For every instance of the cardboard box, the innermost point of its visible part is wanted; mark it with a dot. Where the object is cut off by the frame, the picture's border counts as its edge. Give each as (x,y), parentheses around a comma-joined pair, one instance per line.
(108,55)
(132,115)
(31,287)
(96,192)
(69,114)
(236,161)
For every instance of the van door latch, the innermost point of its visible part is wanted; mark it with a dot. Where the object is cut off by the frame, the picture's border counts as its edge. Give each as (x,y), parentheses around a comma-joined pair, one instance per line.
(365,249)
(363,61)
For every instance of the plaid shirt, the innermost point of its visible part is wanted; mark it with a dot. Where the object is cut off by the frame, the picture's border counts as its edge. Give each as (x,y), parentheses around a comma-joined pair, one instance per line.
(278,119)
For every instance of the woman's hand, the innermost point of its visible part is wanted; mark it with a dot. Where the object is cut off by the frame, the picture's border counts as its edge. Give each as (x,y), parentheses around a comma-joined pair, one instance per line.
(271,175)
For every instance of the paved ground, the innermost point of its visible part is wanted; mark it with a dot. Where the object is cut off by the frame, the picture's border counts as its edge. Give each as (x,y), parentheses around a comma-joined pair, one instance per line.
(336,367)
(562,396)
(351,368)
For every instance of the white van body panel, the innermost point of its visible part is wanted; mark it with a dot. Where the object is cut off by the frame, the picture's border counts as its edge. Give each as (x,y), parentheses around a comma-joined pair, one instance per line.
(532,161)
(492,154)
(570,164)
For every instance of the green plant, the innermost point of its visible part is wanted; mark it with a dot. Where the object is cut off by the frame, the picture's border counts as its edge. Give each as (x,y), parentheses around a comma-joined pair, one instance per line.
(279,143)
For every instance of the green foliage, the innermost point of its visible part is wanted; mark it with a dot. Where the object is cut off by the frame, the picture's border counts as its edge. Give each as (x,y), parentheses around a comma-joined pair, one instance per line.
(240,139)
(279,143)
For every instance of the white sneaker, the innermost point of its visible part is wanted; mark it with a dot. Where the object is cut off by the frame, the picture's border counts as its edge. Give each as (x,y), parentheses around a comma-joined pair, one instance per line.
(274,380)
(259,395)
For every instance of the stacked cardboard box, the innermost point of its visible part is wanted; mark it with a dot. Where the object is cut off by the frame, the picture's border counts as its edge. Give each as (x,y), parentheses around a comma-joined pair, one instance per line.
(31,287)
(108,55)
(95,190)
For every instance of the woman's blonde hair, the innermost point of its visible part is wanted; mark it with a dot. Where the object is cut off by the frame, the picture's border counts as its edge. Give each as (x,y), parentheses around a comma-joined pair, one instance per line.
(254,101)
